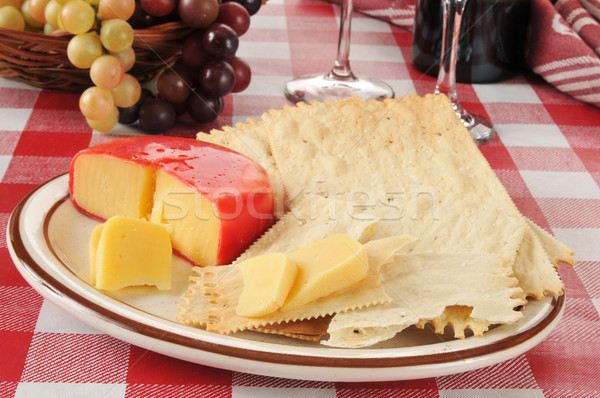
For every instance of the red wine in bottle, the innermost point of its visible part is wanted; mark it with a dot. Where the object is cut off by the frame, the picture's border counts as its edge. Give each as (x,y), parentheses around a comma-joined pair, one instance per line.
(491,42)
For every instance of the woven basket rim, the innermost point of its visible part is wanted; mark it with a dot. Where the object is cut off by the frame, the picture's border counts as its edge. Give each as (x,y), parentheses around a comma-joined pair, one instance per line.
(41,60)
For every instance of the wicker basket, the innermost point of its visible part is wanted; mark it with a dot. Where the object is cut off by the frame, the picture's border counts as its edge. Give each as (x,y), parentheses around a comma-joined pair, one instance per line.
(41,60)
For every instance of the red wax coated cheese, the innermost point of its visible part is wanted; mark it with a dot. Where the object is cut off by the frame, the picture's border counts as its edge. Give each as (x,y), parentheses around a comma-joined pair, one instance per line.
(213,201)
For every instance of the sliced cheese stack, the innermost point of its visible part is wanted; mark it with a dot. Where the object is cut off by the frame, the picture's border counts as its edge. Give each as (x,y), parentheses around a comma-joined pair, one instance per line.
(130,252)
(325,267)
(214,201)
(282,282)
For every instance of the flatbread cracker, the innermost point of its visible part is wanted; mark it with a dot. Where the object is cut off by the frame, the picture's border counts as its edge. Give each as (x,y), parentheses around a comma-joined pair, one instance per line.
(556,250)
(530,278)
(422,286)
(308,329)
(459,318)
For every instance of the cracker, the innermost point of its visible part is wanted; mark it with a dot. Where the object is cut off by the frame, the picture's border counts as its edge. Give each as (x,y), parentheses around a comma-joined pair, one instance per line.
(193,304)
(459,318)
(422,286)
(308,329)
(532,277)
(556,250)
(453,225)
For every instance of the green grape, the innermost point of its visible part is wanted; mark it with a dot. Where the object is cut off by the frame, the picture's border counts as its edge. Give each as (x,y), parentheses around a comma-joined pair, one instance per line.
(48,29)
(116,35)
(77,17)
(52,12)
(37,9)
(29,19)
(96,103)
(107,72)
(83,49)
(106,124)
(11,18)
(116,9)
(14,3)
(128,92)
(126,57)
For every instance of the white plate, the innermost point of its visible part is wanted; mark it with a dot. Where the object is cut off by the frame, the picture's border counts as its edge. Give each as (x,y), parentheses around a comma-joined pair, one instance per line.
(48,242)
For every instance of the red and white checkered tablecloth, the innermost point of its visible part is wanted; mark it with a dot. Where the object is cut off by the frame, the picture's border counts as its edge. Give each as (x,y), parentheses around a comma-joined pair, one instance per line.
(547,154)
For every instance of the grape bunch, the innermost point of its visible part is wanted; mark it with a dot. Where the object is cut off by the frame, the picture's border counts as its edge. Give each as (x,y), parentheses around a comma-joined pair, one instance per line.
(208,69)
(102,38)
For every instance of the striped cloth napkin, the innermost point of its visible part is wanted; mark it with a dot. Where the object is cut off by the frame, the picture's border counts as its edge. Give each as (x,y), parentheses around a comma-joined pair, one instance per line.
(564,46)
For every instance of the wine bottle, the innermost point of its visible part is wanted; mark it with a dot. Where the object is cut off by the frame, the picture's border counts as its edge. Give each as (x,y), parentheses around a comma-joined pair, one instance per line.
(491,43)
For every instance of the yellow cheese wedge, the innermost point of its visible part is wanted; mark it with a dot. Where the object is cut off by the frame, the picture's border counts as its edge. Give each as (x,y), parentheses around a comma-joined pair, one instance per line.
(325,267)
(130,252)
(267,282)
(192,222)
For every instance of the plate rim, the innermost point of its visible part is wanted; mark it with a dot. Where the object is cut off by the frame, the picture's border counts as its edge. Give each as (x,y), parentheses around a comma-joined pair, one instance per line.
(50,285)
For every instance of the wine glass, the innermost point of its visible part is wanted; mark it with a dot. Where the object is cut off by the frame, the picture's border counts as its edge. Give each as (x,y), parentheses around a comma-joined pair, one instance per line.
(340,82)
(480,128)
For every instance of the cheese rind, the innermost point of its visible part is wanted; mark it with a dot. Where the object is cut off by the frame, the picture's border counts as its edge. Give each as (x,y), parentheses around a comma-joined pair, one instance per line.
(130,252)
(325,267)
(267,282)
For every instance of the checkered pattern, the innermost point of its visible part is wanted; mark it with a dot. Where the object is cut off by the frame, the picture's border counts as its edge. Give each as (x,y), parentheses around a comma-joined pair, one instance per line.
(547,154)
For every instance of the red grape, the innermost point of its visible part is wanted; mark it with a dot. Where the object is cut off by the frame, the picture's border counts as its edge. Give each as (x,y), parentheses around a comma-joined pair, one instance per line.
(158,8)
(157,116)
(198,13)
(235,16)
(251,5)
(217,79)
(203,109)
(243,74)
(194,56)
(220,41)
(174,86)
(131,114)
(141,19)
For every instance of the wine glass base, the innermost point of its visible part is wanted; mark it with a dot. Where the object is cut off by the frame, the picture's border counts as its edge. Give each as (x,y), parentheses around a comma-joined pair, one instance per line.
(322,87)
(481,129)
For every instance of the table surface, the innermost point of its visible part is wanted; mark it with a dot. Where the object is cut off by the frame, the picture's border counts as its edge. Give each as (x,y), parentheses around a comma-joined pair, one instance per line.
(546,153)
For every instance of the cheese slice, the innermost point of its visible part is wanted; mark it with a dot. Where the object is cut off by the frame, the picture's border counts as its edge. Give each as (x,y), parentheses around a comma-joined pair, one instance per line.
(325,267)
(130,252)
(267,282)
(93,249)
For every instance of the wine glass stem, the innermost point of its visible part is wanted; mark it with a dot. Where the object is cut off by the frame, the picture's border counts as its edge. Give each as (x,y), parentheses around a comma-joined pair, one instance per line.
(446,83)
(341,68)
